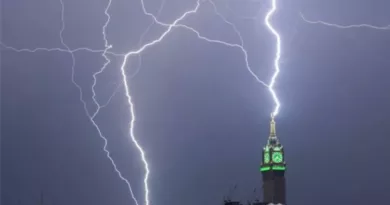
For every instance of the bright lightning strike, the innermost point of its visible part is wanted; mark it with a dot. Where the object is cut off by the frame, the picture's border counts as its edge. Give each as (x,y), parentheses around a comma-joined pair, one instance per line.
(277,56)
(145,46)
(138,52)
(345,26)
(127,90)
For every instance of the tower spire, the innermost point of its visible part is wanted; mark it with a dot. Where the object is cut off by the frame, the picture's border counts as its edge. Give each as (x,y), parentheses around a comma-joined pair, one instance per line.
(272,139)
(272,127)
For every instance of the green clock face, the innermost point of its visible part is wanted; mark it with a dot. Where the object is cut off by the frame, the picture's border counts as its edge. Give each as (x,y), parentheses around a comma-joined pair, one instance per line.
(266,157)
(277,157)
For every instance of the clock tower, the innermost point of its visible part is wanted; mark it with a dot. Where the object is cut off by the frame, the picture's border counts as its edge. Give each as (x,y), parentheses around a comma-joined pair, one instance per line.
(273,168)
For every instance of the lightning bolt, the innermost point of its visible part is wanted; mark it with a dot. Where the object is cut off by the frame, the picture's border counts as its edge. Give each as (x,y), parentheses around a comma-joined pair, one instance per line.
(201,37)
(92,117)
(59,50)
(129,98)
(345,26)
(277,56)
(144,47)
(137,52)
(104,52)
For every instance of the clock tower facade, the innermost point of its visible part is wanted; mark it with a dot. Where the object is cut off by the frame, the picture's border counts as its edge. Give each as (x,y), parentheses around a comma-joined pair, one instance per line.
(273,167)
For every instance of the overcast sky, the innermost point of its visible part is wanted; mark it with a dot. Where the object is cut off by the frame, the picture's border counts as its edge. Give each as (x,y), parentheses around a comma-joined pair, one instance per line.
(201,118)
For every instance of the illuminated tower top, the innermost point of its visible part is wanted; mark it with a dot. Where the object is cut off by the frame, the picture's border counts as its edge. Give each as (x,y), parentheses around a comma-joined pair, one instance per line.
(273,152)
(272,168)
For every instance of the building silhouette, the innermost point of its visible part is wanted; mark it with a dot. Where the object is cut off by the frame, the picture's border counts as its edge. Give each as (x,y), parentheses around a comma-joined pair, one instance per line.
(273,167)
